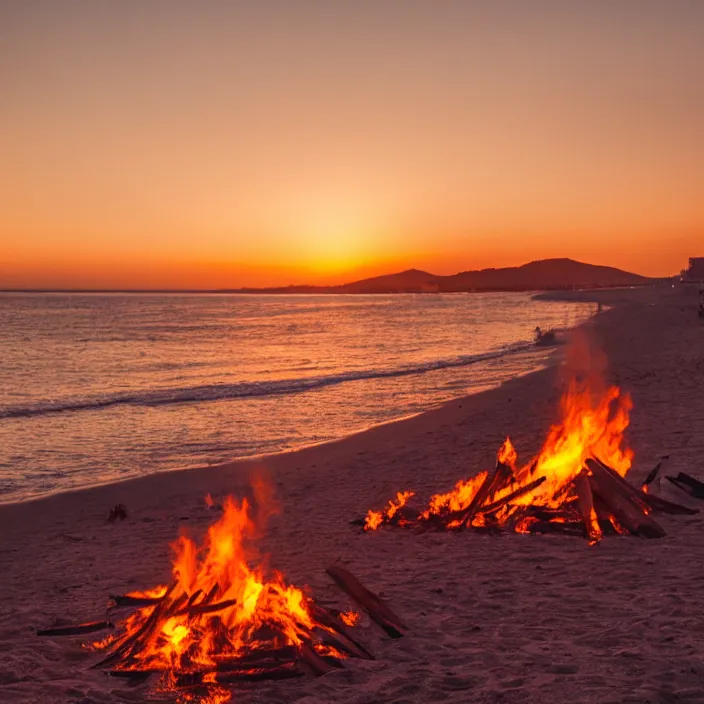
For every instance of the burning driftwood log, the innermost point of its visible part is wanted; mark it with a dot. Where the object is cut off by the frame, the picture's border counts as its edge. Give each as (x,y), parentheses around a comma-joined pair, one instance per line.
(370,602)
(221,621)
(575,486)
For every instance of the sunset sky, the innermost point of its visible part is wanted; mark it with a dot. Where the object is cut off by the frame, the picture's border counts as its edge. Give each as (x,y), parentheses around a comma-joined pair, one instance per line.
(209,144)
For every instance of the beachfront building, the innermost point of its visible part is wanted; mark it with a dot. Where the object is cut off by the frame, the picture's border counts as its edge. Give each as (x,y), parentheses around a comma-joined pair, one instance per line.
(695,272)
(695,275)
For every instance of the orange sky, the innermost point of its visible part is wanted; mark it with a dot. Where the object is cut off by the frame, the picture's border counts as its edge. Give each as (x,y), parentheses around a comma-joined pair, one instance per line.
(223,144)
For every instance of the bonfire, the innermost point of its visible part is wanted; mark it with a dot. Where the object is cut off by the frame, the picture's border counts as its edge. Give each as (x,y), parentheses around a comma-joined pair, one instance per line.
(575,485)
(225,618)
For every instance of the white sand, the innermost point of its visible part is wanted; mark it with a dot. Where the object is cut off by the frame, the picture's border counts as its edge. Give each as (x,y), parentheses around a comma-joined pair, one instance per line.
(493,619)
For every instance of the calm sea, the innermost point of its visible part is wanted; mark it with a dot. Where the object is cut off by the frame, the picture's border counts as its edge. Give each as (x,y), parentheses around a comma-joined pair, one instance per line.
(97,388)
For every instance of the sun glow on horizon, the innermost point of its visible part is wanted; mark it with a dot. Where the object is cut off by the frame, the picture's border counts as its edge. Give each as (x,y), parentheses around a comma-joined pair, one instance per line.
(256,145)
(335,236)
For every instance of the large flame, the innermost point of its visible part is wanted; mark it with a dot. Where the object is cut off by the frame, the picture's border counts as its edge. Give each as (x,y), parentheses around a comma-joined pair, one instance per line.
(592,424)
(221,604)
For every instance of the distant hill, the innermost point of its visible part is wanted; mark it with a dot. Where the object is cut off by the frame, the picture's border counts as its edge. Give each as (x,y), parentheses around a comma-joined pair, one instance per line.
(546,274)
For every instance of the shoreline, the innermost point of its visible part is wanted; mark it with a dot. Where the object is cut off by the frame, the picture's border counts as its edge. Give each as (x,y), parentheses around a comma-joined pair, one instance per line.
(521,357)
(515,619)
(551,359)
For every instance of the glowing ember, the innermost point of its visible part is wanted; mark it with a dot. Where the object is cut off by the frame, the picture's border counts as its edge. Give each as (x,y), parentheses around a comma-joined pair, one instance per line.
(350,618)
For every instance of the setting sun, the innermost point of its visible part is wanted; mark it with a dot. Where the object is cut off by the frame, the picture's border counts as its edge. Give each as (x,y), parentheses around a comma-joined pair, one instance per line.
(310,145)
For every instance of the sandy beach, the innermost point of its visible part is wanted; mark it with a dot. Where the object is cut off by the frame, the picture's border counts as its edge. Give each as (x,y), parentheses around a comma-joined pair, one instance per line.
(514,618)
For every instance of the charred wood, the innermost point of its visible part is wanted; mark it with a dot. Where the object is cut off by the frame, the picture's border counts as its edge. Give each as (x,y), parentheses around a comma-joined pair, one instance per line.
(279,672)
(660,505)
(652,474)
(136,602)
(689,484)
(586,506)
(622,486)
(326,618)
(76,630)
(496,505)
(628,513)
(194,596)
(575,528)
(318,664)
(123,648)
(501,476)
(264,657)
(377,609)
(202,609)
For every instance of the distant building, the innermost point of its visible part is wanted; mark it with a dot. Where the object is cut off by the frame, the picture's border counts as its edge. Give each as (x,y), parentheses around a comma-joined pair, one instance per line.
(695,272)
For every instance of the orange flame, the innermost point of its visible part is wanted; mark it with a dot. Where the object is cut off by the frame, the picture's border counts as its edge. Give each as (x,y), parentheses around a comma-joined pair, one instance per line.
(507,454)
(592,425)
(375,519)
(456,500)
(218,606)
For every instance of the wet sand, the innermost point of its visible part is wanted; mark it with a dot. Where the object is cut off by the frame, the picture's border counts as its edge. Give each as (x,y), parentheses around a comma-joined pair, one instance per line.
(506,619)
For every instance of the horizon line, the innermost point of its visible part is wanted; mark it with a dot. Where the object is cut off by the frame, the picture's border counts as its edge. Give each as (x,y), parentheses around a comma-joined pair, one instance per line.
(282,289)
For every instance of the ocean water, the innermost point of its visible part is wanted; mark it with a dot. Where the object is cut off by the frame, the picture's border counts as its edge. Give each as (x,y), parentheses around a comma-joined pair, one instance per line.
(98,388)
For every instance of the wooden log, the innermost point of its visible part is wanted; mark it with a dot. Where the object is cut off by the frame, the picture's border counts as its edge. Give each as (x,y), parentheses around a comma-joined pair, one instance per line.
(327,619)
(259,657)
(575,528)
(211,594)
(605,517)
(278,672)
(627,490)
(627,512)
(496,505)
(77,630)
(136,602)
(502,477)
(318,664)
(341,644)
(564,512)
(652,474)
(687,490)
(643,498)
(696,488)
(660,505)
(194,596)
(202,609)
(132,674)
(122,647)
(586,507)
(494,482)
(377,609)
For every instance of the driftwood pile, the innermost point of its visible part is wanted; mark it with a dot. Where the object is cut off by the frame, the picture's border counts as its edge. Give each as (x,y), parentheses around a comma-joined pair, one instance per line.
(320,650)
(688,484)
(597,501)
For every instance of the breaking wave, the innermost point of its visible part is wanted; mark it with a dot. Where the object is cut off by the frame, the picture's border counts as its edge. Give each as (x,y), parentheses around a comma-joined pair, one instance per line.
(248,389)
